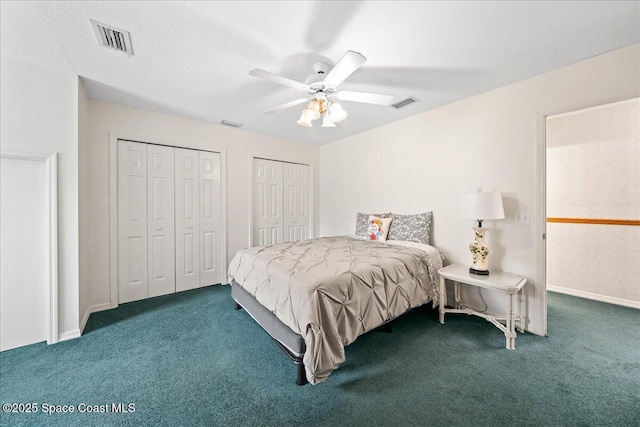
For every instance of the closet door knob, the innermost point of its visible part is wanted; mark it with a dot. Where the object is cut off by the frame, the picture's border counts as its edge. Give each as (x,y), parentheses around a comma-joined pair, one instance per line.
(190,227)
(158,228)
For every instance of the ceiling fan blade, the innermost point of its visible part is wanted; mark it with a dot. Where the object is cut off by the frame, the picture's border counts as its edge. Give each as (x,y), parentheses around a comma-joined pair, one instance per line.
(287,105)
(349,62)
(278,79)
(367,98)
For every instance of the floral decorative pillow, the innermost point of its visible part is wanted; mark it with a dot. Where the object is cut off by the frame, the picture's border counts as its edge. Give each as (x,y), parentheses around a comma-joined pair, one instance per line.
(411,228)
(378,228)
(362,222)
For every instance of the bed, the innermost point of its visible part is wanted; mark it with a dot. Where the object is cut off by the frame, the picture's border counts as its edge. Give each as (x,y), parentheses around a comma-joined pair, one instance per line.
(316,296)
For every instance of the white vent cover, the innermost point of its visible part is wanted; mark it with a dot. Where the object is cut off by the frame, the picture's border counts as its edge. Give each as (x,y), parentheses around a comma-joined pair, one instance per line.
(230,123)
(404,102)
(112,38)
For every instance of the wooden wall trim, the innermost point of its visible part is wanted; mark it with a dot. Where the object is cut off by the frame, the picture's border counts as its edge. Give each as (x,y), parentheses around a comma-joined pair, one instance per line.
(601,221)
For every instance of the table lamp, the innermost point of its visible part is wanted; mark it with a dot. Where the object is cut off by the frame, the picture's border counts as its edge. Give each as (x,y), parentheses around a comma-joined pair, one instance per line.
(480,206)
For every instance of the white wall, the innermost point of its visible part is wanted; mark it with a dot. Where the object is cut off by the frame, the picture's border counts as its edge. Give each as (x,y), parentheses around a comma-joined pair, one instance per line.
(145,126)
(593,171)
(426,161)
(39,112)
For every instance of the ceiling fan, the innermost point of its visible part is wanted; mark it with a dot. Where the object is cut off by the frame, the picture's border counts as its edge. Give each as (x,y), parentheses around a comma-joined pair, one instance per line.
(321,91)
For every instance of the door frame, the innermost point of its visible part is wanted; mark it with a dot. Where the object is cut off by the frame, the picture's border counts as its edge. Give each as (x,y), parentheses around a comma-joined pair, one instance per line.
(540,225)
(50,159)
(113,204)
(540,159)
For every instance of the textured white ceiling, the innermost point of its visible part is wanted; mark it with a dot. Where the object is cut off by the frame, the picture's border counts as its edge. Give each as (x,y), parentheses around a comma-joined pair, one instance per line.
(192,59)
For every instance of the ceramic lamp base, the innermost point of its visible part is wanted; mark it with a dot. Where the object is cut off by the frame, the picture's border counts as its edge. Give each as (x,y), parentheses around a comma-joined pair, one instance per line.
(478,272)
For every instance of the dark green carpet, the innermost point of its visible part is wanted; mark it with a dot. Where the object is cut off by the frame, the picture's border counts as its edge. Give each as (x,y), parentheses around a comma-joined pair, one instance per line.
(190,359)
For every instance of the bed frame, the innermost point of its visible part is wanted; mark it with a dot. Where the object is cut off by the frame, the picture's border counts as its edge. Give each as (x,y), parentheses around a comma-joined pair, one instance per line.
(291,343)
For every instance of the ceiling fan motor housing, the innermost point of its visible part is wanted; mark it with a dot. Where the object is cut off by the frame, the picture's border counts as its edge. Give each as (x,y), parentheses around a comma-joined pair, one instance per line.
(315,81)
(321,67)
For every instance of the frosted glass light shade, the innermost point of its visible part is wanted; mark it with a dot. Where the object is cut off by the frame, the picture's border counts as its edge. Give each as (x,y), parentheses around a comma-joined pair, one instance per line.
(481,206)
(310,114)
(304,121)
(336,113)
(313,110)
(327,123)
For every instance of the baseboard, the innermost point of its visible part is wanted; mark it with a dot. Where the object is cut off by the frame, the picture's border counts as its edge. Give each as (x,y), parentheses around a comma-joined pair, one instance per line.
(69,335)
(92,309)
(594,297)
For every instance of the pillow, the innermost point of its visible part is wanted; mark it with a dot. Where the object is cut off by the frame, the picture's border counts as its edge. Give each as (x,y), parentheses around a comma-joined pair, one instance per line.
(362,222)
(378,228)
(411,228)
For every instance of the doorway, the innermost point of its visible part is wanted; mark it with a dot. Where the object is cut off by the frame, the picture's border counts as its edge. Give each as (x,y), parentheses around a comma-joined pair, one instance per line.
(593,202)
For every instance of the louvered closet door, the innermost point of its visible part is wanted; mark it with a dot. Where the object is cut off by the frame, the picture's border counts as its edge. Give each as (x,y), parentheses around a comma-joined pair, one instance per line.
(268,228)
(210,242)
(132,221)
(296,202)
(161,212)
(187,214)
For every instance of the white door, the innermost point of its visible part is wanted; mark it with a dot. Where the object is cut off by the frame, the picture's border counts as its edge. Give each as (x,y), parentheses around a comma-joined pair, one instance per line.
(260,202)
(296,202)
(187,213)
(24,275)
(132,221)
(210,242)
(268,202)
(276,204)
(161,242)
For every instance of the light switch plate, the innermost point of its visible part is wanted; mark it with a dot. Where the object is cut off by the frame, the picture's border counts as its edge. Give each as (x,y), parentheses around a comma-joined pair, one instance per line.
(521,218)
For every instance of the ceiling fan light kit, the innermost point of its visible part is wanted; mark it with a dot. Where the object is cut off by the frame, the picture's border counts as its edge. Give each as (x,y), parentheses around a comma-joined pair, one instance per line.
(321,87)
(330,111)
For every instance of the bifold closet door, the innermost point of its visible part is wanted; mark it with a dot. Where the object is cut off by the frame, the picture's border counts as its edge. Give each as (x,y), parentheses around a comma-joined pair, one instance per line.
(161,242)
(187,219)
(268,226)
(169,220)
(296,202)
(132,221)
(210,204)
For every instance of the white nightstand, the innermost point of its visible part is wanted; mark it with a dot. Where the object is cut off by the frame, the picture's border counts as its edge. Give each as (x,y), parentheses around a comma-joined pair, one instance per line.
(511,284)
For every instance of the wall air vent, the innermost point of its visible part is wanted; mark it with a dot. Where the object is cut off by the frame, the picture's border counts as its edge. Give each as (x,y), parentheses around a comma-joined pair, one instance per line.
(407,101)
(112,38)
(230,124)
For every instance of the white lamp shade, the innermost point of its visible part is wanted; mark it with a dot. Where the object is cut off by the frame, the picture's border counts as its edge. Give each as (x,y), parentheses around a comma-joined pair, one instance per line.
(310,114)
(327,123)
(481,206)
(313,110)
(336,113)
(304,121)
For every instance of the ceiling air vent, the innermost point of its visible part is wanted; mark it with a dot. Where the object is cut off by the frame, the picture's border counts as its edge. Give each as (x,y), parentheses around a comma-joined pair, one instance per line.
(230,124)
(112,38)
(404,102)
